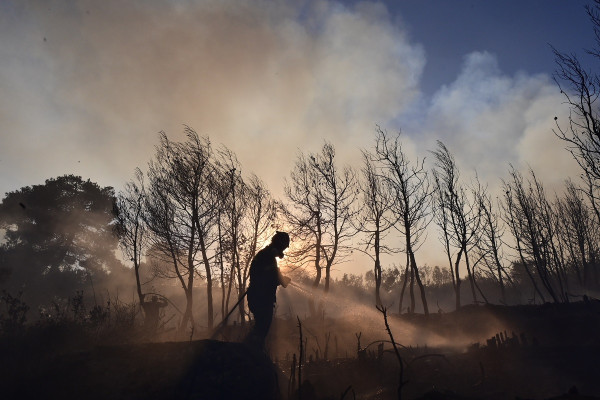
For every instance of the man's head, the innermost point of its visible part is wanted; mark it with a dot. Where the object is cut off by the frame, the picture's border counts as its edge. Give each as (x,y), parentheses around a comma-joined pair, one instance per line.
(280,241)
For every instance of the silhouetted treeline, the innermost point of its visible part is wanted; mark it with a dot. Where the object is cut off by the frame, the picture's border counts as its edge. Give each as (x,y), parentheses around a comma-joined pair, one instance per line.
(194,217)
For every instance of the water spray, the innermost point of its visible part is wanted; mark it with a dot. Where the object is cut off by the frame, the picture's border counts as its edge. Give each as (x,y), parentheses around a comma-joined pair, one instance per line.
(301,289)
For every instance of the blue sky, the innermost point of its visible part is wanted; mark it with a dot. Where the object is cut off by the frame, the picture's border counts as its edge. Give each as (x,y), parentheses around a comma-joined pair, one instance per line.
(86,86)
(517,32)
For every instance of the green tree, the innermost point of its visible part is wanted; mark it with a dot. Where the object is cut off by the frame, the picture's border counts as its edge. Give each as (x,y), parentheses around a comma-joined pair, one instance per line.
(58,236)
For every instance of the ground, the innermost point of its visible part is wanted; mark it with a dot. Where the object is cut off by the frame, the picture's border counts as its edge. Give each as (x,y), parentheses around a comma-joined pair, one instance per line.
(541,352)
(178,370)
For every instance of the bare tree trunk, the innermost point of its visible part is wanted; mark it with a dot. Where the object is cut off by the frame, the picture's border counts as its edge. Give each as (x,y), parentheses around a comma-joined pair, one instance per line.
(377,270)
(471,277)
(500,279)
(188,317)
(532,279)
(209,295)
(411,288)
(187,314)
(404,284)
(457,286)
(230,286)
(421,287)
(241,290)
(138,285)
(327,276)
(318,257)
(317,276)
(209,298)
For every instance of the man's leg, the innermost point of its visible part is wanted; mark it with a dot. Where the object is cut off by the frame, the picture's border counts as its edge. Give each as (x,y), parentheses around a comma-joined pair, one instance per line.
(263,316)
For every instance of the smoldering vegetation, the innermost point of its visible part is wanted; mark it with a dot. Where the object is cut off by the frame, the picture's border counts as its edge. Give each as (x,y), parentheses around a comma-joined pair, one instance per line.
(144,278)
(141,293)
(335,345)
(153,279)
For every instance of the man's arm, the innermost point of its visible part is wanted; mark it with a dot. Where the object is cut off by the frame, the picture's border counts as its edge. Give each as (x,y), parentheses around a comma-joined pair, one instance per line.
(283,280)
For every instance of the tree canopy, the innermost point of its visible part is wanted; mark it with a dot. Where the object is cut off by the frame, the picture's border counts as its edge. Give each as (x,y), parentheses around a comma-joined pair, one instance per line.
(57,235)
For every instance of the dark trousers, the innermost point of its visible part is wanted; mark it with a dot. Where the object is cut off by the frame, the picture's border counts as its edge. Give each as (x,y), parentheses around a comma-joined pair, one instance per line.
(263,316)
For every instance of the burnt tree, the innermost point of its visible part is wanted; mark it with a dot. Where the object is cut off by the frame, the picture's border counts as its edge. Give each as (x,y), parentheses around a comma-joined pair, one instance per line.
(321,210)
(457,214)
(375,220)
(182,208)
(410,187)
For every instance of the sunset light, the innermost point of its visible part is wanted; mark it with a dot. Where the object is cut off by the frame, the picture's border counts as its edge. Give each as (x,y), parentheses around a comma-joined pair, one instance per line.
(299,199)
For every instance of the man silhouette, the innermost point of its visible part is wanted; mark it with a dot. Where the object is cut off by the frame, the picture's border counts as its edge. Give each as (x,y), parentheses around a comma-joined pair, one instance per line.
(265,276)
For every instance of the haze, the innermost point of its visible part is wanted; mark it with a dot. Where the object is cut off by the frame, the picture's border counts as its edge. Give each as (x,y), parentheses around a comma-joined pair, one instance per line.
(86,86)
